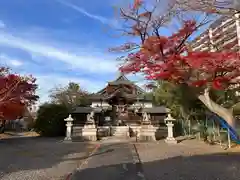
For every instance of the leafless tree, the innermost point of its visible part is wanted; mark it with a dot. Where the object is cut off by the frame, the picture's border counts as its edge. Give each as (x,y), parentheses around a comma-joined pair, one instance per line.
(221,7)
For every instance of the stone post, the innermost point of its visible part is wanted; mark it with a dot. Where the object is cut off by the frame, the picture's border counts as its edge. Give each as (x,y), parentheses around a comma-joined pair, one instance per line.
(69,125)
(169,122)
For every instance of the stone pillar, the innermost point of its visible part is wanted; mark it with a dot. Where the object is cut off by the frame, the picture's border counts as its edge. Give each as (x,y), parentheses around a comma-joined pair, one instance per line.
(169,122)
(69,125)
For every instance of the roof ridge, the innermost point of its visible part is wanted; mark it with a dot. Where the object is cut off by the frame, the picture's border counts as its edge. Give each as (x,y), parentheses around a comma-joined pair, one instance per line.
(122,77)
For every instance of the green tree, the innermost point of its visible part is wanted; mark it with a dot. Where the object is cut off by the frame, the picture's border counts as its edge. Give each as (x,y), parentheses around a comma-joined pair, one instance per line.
(178,98)
(50,120)
(184,106)
(71,96)
(228,98)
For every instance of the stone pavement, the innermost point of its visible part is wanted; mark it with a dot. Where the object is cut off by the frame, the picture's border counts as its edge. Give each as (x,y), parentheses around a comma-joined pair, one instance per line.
(114,160)
(188,160)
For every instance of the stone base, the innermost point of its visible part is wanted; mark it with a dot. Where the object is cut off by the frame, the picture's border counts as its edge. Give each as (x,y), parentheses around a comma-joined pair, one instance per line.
(89,134)
(77,131)
(120,131)
(146,138)
(147,133)
(67,139)
(171,140)
(89,126)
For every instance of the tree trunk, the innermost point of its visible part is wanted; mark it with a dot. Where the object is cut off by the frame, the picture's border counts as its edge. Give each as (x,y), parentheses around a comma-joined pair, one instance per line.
(2,127)
(184,113)
(225,113)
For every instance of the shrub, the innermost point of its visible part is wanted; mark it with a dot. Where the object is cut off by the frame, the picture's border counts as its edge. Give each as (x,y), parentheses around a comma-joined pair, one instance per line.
(178,128)
(50,120)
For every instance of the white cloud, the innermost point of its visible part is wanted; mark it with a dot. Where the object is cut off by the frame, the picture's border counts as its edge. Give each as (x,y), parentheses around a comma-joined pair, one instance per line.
(65,56)
(15,62)
(85,61)
(10,61)
(99,18)
(2,24)
(84,12)
(44,86)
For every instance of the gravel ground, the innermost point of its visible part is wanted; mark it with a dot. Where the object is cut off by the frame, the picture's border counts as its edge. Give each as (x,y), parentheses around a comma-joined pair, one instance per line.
(40,158)
(50,159)
(189,160)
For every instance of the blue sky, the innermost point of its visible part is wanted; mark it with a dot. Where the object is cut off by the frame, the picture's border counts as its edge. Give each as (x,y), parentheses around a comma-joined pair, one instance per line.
(58,41)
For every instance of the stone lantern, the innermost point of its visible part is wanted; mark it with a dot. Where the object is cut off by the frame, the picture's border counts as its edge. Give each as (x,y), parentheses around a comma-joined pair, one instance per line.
(169,122)
(69,125)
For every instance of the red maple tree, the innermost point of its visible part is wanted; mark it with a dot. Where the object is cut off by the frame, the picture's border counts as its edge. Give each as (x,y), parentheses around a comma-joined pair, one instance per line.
(170,58)
(16,93)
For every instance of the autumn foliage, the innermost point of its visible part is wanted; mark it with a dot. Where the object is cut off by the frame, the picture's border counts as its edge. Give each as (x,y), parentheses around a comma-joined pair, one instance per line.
(170,58)
(16,93)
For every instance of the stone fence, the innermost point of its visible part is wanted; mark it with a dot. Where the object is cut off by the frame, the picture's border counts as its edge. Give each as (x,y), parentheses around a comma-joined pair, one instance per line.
(132,131)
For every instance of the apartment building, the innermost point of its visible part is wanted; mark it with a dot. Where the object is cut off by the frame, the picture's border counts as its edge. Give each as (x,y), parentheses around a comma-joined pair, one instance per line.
(224,33)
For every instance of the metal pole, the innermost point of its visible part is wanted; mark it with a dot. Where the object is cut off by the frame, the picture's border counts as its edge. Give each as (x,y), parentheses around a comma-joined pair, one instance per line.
(189,127)
(136,136)
(229,139)
(214,135)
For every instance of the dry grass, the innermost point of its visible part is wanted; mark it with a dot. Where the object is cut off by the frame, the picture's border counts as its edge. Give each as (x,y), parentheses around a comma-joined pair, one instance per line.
(4,136)
(24,134)
(31,134)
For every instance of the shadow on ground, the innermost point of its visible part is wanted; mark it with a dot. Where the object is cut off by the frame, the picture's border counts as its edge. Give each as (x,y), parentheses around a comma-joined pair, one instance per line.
(223,166)
(51,155)
(92,155)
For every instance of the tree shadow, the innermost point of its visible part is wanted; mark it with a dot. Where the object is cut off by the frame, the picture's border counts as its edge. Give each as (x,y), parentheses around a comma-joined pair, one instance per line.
(38,153)
(92,155)
(221,166)
(183,138)
(52,155)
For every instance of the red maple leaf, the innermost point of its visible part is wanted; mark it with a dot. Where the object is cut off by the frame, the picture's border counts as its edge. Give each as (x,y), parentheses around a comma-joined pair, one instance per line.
(162,58)
(16,92)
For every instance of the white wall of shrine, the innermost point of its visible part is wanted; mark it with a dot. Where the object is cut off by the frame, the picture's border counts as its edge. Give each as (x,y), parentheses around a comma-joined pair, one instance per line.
(138,104)
(146,104)
(99,104)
